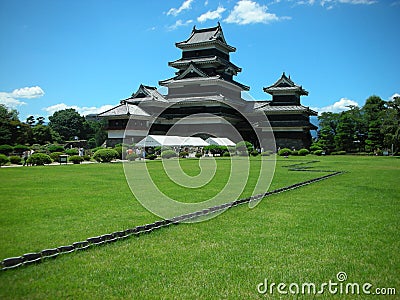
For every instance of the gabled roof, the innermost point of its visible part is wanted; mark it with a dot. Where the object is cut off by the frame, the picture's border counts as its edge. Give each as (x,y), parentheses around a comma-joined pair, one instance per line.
(190,70)
(203,60)
(266,107)
(206,36)
(124,109)
(168,81)
(144,93)
(285,84)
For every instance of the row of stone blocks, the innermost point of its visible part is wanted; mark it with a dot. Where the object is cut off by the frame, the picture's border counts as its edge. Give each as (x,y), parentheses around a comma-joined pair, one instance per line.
(30,258)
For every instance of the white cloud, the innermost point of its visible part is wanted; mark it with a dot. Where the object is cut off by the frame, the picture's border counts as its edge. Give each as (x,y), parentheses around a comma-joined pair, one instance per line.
(247,12)
(179,23)
(330,3)
(339,106)
(81,110)
(176,11)
(11,99)
(212,15)
(28,92)
(368,2)
(394,96)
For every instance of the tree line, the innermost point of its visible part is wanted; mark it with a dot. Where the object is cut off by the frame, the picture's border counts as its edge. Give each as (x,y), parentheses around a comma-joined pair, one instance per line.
(63,125)
(371,128)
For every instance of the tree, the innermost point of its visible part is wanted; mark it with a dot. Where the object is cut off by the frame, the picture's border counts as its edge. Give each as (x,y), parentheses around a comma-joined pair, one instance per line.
(68,123)
(328,123)
(391,125)
(6,117)
(374,109)
(345,133)
(42,134)
(30,121)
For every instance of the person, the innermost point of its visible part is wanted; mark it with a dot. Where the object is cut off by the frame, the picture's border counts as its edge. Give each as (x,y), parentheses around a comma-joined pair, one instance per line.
(81,151)
(138,152)
(25,156)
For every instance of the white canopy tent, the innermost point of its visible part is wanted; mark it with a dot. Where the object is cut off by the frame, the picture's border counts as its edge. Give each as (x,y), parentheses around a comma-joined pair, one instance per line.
(171,141)
(220,142)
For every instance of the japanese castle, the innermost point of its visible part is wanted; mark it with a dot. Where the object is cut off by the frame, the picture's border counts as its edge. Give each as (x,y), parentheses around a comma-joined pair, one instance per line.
(204,87)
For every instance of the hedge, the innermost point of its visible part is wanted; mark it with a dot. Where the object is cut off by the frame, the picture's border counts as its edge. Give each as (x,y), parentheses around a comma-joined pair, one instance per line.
(39,159)
(105,155)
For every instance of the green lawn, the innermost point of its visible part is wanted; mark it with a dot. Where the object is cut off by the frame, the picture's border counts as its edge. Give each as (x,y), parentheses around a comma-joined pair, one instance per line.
(346,223)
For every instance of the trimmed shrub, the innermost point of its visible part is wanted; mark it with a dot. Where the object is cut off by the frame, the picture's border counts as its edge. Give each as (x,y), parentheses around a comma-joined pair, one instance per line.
(119,150)
(39,159)
(15,159)
(226,154)
(338,153)
(244,146)
(168,154)
(266,153)
(20,148)
(198,155)
(3,160)
(55,156)
(183,154)
(151,156)
(284,152)
(6,149)
(97,148)
(294,153)
(105,155)
(215,149)
(86,157)
(318,152)
(76,159)
(55,148)
(254,153)
(315,147)
(303,152)
(132,156)
(72,151)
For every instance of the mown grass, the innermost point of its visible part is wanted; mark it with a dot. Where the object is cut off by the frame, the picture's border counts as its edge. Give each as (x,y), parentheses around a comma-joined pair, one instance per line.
(346,223)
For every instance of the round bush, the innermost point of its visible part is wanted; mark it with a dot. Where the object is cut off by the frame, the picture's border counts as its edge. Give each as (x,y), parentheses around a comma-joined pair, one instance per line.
(318,152)
(198,155)
(315,147)
(284,152)
(86,157)
(55,156)
(244,146)
(151,156)
(266,153)
(132,156)
(183,154)
(76,159)
(39,159)
(119,149)
(303,152)
(105,155)
(15,159)
(20,148)
(226,154)
(3,160)
(168,154)
(72,151)
(55,148)
(6,149)
(254,153)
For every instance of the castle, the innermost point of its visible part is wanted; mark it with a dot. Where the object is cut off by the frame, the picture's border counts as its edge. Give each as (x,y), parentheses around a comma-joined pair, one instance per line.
(204,86)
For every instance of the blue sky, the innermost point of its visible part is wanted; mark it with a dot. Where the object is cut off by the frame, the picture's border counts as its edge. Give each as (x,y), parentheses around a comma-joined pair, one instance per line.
(90,54)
